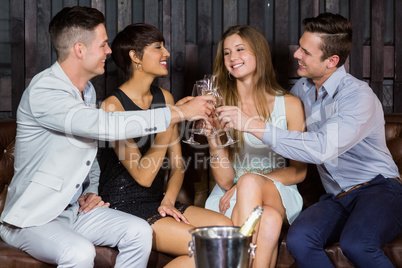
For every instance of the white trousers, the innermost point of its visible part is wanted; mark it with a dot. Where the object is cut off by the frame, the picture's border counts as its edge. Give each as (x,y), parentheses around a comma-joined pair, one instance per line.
(72,245)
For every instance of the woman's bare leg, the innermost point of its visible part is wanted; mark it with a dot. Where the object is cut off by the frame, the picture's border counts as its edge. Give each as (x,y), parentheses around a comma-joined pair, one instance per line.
(172,237)
(255,190)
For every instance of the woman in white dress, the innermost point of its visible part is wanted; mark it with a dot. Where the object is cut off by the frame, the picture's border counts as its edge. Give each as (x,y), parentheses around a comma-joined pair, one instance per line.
(249,173)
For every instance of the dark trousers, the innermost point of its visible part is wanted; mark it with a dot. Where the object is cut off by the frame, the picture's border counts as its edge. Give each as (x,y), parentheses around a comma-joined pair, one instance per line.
(362,221)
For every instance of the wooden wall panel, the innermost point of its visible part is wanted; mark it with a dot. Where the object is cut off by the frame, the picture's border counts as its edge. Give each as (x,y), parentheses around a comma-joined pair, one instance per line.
(99,82)
(256,14)
(17,34)
(151,12)
(281,41)
(377,48)
(44,46)
(204,37)
(356,58)
(178,51)
(192,29)
(164,82)
(397,94)
(31,55)
(229,13)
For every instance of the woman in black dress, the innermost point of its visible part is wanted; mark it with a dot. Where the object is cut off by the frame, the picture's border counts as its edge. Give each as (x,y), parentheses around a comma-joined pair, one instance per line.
(132,176)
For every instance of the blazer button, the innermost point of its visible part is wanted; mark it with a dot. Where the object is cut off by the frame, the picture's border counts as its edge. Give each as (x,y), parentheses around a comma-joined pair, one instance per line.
(77,186)
(88,163)
(155,128)
(147,130)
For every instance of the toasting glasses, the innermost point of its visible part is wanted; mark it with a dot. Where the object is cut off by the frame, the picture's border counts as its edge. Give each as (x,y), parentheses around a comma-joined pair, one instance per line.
(209,86)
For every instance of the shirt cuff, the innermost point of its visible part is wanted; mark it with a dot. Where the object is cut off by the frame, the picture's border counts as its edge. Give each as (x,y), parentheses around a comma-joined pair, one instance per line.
(168,116)
(267,137)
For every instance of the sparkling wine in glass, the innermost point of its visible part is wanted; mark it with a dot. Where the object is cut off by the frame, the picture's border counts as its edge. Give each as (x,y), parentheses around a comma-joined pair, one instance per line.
(191,140)
(221,102)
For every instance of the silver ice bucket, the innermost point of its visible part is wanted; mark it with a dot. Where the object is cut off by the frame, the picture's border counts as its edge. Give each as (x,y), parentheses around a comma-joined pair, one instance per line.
(220,247)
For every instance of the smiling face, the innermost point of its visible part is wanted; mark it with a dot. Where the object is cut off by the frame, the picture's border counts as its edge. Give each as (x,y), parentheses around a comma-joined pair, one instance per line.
(239,59)
(154,59)
(96,52)
(309,57)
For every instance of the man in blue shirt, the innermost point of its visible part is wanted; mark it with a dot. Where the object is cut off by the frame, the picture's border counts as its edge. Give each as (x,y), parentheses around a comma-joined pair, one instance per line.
(345,138)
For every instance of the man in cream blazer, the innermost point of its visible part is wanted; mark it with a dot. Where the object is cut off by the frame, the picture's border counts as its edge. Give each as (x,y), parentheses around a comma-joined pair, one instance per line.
(52,209)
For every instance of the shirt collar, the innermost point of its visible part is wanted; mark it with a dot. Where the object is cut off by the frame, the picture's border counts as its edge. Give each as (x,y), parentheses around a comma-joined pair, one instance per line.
(334,80)
(331,84)
(87,93)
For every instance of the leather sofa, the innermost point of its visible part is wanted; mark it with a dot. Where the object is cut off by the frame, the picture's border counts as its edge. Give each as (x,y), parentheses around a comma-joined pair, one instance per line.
(195,191)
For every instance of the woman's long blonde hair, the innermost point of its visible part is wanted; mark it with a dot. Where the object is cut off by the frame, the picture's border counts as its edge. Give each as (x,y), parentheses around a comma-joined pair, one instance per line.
(266,78)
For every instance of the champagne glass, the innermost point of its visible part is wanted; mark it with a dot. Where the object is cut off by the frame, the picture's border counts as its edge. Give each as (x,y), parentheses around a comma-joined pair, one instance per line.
(191,140)
(221,102)
(202,89)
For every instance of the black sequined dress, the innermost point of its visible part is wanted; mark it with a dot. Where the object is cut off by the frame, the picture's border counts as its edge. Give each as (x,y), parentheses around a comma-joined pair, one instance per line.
(116,185)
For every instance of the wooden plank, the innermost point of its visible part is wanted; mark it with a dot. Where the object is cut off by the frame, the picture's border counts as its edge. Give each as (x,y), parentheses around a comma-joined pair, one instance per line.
(31,59)
(99,5)
(229,13)
(306,8)
(269,21)
(204,37)
(217,30)
(377,48)
(151,14)
(5,94)
(398,58)
(123,20)
(17,52)
(388,62)
(332,6)
(99,82)
(178,53)
(164,82)
(70,3)
(123,14)
(242,14)
(281,50)
(191,21)
(44,48)
(111,29)
(256,14)
(292,71)
(138,11)
(191,72)
(356,62)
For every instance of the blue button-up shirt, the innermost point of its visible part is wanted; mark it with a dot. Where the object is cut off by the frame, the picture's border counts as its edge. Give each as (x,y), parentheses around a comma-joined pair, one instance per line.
(345,134)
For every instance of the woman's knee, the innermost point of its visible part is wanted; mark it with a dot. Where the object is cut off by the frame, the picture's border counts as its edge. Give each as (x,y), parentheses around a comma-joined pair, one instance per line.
(248,182)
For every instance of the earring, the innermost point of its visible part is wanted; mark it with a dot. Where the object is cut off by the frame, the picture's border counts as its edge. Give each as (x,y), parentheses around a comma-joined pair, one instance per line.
(138,66)
(229,76)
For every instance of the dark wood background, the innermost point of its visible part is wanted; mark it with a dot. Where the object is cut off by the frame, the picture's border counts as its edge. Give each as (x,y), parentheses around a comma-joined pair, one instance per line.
(192,29)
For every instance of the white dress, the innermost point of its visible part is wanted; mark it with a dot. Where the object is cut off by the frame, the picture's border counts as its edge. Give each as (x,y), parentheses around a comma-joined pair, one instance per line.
(260,159)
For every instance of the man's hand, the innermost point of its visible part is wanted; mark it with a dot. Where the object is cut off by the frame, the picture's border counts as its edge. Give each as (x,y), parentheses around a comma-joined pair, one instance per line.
(192,108)
(91,201)
(233,117)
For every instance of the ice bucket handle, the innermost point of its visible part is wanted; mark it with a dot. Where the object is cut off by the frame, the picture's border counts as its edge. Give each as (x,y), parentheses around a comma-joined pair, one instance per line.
(251,250)
(190,249)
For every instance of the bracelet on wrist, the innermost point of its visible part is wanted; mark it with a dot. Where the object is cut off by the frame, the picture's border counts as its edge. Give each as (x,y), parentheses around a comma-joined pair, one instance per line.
(215,156)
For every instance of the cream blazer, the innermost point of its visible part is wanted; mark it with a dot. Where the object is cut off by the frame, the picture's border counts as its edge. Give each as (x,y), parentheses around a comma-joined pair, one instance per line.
(56,146)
